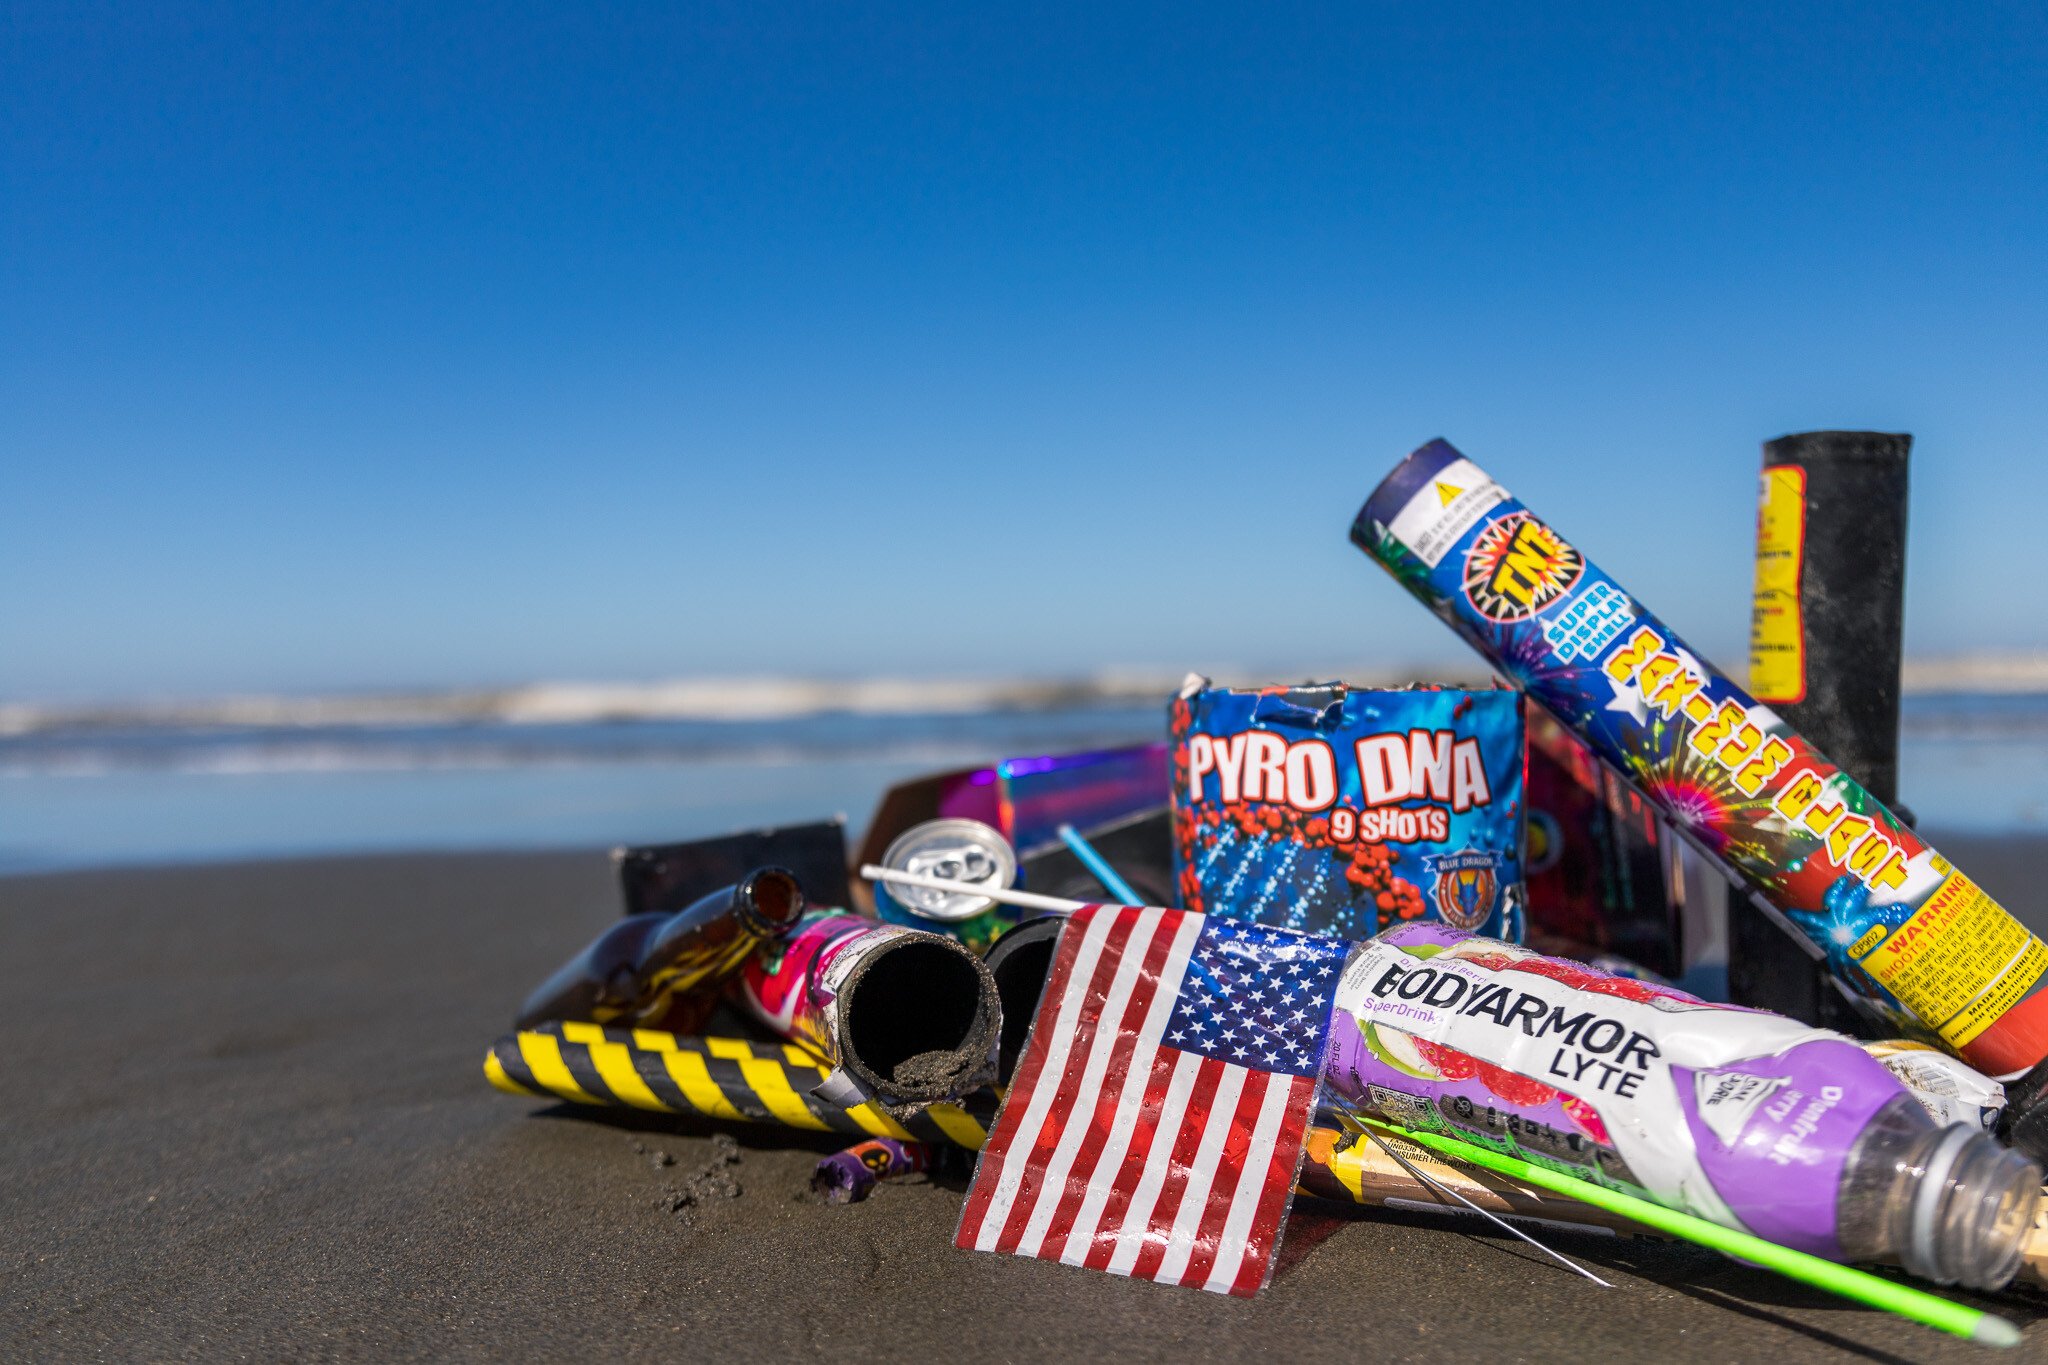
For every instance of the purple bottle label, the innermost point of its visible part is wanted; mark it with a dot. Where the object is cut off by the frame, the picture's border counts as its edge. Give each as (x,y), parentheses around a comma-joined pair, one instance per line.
(1773,1133)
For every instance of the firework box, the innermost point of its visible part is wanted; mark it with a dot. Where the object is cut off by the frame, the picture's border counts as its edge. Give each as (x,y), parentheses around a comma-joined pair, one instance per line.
(1341,811)
(1922,946)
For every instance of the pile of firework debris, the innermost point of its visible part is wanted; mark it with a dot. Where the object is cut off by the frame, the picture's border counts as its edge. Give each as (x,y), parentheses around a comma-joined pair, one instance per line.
(1614,945)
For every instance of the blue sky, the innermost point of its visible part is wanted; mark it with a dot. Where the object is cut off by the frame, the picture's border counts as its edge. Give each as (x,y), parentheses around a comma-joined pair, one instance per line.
(418,345)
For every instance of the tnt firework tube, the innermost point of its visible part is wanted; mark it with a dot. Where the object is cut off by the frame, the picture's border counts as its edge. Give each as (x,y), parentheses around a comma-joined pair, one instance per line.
(1747,1119)
(1912,936)
(906,1017)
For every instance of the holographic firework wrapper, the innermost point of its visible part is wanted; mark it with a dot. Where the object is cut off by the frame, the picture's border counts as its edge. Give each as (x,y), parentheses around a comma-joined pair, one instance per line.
(1913,937)
(1340,811)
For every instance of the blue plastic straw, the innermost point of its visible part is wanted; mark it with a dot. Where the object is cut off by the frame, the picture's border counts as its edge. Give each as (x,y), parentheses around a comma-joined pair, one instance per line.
(1099,865)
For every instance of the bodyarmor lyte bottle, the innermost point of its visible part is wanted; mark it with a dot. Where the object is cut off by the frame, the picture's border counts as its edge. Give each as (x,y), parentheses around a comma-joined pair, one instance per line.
(664,970)
(1749,1119)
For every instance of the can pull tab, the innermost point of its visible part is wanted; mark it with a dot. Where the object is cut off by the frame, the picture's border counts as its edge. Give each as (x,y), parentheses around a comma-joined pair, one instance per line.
(1304,708)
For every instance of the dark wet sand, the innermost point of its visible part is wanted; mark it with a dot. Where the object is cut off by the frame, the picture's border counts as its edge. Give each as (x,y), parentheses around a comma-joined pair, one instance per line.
(245,1117)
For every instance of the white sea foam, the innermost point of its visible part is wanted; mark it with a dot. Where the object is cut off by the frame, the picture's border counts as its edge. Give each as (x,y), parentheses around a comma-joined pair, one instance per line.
(568,703)
(1988,673)
(559,703)
(771,698)
(273,759)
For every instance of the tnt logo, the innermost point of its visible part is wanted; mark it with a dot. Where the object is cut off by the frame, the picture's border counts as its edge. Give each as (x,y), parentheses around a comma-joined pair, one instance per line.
(1517,567)
(1467,886)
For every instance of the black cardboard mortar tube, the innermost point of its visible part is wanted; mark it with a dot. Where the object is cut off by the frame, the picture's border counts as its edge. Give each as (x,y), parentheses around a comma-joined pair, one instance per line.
(1852,598)
(917,1019)
(1824,651)
(1020,961)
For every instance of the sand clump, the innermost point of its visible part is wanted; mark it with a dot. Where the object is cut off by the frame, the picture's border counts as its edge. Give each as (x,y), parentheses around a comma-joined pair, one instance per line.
(715,1179)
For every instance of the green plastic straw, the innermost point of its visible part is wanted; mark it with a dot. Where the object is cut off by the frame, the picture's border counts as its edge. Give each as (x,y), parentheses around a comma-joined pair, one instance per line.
(1972,1324)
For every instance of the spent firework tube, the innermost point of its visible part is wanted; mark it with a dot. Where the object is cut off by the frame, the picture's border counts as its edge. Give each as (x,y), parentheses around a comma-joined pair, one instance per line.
(1748,1119)
(735,1080)
(847,1177)
(907,1018)
(1911,936)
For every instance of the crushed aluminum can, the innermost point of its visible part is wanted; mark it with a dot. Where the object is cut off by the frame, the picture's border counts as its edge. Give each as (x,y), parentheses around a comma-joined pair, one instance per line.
(959,850)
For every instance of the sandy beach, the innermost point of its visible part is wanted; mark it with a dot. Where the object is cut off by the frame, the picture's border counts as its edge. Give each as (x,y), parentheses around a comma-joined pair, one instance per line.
(246,1118)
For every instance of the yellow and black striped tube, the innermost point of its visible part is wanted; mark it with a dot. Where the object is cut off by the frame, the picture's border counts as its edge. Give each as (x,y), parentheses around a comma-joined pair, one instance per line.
(720,1078)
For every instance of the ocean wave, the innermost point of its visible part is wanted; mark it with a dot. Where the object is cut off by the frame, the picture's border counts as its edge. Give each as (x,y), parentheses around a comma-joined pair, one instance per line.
(756,744)
(317,759)
(566,703)
(2011,672)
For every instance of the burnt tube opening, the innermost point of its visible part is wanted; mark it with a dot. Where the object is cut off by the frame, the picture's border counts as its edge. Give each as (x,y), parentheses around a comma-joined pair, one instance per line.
(1020,961)
(919,1020)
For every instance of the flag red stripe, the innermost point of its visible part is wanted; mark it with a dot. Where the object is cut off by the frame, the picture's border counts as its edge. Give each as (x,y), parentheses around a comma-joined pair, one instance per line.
(1024,1080)
(1065,1093)
(1179,1157)
(1115,1078)
(1146,1127)
(1266,1227)
(1229,1173)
